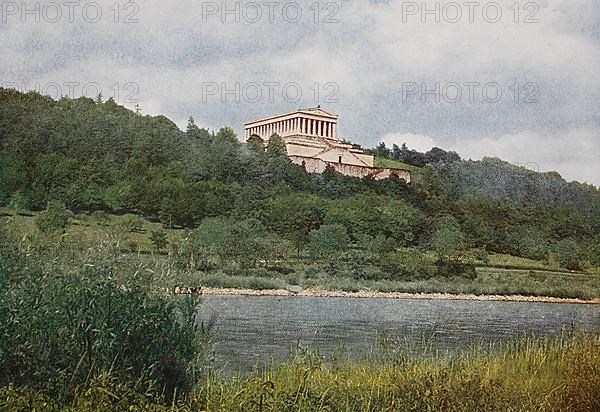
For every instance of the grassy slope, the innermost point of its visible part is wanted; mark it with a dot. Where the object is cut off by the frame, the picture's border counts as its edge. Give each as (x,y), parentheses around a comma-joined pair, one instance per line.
(394,164)
(504,275)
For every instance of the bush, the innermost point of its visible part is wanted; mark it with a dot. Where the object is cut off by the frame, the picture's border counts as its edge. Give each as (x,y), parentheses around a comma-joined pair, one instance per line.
(133,223)
(158,239)
(447,268)
(54,219)
(65,330)
(405,264)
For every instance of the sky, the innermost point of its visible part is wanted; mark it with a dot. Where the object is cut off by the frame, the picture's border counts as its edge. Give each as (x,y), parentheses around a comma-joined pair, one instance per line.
(508,79)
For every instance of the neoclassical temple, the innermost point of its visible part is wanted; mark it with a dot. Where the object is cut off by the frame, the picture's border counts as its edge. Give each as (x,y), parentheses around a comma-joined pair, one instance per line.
(311,139)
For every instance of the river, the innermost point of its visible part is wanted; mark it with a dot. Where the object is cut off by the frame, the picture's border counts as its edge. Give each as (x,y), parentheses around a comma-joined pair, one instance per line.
(252,330)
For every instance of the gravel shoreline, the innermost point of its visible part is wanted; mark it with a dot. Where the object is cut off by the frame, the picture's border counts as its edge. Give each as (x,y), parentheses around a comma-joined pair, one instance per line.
(393,295)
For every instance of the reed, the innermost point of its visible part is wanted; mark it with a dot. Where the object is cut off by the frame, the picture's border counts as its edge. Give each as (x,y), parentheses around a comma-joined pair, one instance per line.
(525,374)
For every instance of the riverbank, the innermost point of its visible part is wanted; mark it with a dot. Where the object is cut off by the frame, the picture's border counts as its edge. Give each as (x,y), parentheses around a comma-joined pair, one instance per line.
(315,292)
(559,374)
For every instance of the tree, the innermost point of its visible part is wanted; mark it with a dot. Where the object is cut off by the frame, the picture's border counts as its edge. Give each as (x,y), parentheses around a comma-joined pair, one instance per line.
(227,134)
(567,254)
(256,144)
(276,148)
(448,239)
(195,134)
(328,240)
(293,216)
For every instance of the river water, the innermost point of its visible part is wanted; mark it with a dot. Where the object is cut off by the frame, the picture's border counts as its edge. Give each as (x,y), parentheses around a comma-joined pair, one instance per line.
(252,330)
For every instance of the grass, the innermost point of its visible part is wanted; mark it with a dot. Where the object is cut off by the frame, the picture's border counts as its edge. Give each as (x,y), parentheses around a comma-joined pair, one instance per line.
(489,281)
(516,262)
(526,374)
(125,240)
(415,171)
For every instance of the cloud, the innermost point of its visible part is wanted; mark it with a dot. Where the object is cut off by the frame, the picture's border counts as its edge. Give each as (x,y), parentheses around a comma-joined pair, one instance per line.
(415,142)
(574,153)
(172,53)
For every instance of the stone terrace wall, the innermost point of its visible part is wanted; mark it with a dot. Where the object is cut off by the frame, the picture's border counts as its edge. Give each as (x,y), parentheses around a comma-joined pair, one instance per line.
(314,165)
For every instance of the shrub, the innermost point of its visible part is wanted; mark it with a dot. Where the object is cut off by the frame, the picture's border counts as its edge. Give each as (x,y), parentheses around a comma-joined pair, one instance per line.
(133,223)
(447,268)
(18,201)
(65,330)
(405,264)
(158,239)
(54,219)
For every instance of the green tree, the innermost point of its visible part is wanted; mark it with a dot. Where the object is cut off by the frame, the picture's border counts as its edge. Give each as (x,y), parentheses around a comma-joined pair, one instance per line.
(276,148)
(448,240)
(328,240)
(294,216)
(567,254)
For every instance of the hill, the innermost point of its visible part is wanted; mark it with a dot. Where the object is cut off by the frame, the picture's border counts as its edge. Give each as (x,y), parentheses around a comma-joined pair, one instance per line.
(91,156)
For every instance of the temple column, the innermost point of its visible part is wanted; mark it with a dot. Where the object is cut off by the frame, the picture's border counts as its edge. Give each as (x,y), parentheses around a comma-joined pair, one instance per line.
(334,130)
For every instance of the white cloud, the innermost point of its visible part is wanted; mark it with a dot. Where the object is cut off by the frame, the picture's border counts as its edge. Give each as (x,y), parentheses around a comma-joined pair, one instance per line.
(413,141)
(171,52)
(574,153)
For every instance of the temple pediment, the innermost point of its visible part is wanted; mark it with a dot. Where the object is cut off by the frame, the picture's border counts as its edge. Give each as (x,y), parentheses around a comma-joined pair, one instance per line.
(317,111)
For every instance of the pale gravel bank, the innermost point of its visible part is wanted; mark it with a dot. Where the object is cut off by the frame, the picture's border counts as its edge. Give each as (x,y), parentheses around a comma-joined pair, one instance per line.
(393,295)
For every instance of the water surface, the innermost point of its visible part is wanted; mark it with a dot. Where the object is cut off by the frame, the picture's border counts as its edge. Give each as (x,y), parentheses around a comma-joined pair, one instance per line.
(251,330)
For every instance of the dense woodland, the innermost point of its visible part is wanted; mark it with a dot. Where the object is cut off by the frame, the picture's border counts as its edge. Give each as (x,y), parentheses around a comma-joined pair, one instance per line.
(86,324)
(98,156)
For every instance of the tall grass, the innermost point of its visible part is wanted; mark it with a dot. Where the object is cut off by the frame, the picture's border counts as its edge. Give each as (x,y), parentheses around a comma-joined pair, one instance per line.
(60,333)
(526,374)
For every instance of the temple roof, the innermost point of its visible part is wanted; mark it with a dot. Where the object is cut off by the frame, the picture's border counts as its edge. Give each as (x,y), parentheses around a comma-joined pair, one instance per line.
(318,111)
(315,111)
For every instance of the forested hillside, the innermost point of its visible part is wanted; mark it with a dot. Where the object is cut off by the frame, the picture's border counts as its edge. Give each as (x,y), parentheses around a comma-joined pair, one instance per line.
(91,156)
